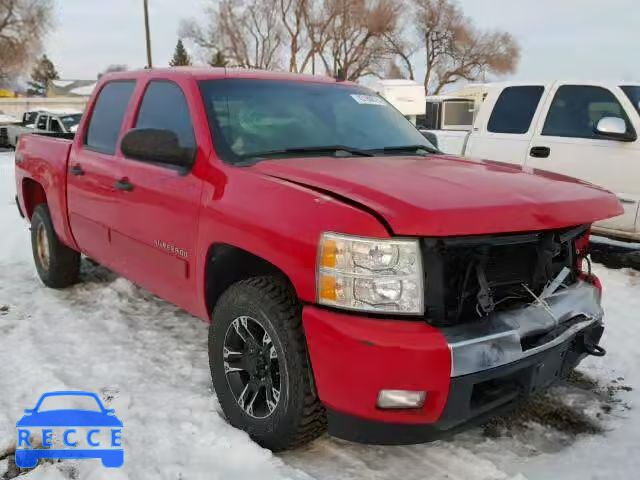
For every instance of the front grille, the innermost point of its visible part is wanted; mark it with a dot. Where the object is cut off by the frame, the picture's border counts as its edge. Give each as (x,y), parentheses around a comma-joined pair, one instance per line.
(469,277)
(4,137)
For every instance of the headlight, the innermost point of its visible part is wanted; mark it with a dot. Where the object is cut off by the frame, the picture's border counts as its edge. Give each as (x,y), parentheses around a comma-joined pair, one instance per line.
(373,275)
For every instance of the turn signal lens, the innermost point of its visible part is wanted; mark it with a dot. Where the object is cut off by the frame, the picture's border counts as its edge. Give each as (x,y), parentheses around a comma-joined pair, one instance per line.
(328,288)
(328,253)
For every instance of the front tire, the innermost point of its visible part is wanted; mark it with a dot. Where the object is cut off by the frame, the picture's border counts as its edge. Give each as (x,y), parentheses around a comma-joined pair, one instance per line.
(260,367)
(58,266)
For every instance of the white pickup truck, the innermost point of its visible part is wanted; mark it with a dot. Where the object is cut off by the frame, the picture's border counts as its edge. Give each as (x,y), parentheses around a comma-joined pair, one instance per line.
(587,130)
(48,122)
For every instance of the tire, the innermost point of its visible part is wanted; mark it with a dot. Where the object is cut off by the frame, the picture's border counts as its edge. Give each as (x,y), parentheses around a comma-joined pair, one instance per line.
(268,302)
(61,265)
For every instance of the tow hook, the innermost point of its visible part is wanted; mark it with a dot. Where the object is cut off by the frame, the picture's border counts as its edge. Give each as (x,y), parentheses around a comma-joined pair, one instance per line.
(595,350)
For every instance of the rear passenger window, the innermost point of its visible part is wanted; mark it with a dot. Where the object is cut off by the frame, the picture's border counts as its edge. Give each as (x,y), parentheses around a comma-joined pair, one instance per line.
(108,113)
(164,107)
(514,110)
(576,110)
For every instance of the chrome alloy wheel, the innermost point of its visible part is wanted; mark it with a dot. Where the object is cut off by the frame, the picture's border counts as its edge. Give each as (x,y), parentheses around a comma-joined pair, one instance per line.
(42,246)
(252,367)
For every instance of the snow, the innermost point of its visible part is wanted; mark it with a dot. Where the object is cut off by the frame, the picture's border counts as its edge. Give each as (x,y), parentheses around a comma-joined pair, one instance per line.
(62,83)
(148,360)
(83,91)
(615,243)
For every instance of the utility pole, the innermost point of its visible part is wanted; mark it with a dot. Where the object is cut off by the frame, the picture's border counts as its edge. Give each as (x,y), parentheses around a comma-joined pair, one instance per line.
(148,34)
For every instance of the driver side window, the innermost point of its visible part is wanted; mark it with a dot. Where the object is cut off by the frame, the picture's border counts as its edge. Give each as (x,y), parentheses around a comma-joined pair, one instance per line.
(164,107)
(577,109)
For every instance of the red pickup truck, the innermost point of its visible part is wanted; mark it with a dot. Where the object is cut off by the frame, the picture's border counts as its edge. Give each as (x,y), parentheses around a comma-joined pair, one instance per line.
(353,276)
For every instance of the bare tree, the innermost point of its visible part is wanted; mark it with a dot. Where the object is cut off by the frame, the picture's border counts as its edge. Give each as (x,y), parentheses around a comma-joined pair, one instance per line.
(456,50)
(113,68)
(318,18)
(292,15)
(346,36)
(353,38)
(392,70)
(23,26)
(476,55)
(356,36)
(247,32)
(403,45)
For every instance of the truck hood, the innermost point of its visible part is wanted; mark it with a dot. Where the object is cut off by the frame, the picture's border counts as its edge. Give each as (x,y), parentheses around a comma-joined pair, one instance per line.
(444,196)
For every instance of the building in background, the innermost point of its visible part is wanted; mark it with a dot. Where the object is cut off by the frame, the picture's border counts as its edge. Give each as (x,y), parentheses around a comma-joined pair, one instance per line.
(70,88)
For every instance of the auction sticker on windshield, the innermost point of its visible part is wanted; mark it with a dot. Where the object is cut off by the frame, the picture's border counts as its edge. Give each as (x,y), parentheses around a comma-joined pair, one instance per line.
(367,99)
(69,425)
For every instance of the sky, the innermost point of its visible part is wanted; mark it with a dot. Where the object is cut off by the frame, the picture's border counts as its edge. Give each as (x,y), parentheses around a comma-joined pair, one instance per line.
(577,39)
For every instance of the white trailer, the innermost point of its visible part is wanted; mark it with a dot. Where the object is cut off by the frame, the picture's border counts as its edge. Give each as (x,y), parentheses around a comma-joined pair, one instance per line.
(405,95)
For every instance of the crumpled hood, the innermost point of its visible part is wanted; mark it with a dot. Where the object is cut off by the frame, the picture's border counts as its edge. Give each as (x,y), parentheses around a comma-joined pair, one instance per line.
(444,196)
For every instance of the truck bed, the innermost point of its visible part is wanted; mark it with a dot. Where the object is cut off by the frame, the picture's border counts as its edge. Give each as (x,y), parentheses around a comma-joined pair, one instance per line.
(42,159)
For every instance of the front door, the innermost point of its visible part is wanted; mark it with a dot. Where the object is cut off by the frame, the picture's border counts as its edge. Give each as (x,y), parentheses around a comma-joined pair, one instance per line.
(155,233)
(566,142)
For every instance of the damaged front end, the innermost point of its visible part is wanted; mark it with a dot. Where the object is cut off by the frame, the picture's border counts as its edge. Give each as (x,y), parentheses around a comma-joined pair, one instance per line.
(500,299)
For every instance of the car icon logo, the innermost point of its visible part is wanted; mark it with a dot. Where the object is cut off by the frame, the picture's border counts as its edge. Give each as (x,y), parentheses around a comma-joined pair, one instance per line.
(99,421)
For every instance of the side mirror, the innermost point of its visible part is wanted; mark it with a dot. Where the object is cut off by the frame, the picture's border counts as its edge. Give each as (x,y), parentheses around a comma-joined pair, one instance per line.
(433,139)
(159,146)
(615,128)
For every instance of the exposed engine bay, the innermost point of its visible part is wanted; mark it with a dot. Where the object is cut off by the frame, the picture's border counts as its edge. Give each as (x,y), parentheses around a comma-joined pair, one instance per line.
(471,277)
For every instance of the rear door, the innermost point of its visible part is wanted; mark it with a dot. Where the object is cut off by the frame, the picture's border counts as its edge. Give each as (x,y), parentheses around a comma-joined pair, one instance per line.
(92,199)
(156,233)
(566,142)
(504,126)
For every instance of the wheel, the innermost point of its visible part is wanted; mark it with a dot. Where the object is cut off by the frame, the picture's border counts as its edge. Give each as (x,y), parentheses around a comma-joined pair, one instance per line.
(58,266)
(259,364)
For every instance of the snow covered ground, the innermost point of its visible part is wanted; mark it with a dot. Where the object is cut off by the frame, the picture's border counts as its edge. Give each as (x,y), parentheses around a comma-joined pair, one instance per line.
(148,361)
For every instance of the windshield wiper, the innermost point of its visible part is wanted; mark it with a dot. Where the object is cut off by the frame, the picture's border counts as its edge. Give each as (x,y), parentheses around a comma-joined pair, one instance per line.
(409,149)
(321,150)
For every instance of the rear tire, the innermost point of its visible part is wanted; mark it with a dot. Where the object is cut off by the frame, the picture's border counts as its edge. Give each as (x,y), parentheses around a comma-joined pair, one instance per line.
(264,307)
(58,266)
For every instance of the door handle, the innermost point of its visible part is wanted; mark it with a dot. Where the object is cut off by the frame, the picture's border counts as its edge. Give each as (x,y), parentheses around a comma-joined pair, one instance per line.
(124,185)
(540,152)
(76,170)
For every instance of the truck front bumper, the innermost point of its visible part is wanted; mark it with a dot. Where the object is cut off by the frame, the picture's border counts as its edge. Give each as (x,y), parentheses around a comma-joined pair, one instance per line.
(468,372)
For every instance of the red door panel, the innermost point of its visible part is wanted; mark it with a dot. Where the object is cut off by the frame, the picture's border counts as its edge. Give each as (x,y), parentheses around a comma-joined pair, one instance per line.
(156,232)
(92,202)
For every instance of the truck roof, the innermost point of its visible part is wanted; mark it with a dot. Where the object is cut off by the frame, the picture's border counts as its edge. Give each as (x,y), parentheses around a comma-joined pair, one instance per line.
(210,73)
(474,88)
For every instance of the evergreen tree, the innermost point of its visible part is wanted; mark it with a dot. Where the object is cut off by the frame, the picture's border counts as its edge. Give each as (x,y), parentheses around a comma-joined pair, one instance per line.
(42,73)
(218,60)
(180,56)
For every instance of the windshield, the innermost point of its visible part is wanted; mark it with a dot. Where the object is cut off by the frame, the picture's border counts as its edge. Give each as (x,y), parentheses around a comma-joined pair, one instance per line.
(633,92)
(70,120)
(249,117)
